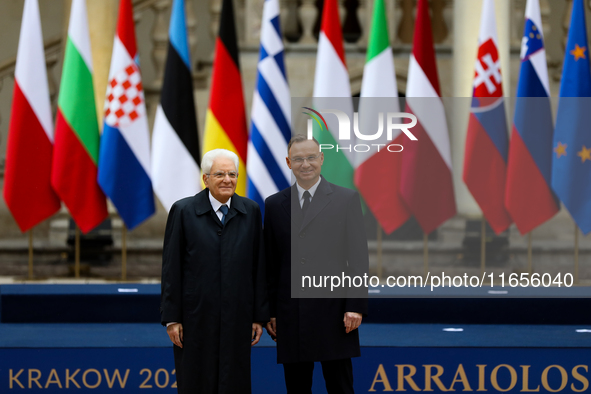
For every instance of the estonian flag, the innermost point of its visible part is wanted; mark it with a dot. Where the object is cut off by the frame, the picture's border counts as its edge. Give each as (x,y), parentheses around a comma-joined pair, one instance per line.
(175,142)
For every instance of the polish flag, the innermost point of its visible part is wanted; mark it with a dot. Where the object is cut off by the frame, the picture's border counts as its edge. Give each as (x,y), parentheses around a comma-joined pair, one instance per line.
(426,181)
(27,178)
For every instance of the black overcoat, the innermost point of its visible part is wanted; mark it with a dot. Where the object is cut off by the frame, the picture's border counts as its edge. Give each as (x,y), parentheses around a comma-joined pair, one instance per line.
(213,282)
(332,232)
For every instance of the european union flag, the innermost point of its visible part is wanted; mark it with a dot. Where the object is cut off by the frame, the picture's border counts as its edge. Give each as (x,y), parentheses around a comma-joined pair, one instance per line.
(571,160)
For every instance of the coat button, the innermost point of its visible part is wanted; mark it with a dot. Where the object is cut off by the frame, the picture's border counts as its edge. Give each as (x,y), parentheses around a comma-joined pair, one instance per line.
(219,232)
(302,235)
(303,261)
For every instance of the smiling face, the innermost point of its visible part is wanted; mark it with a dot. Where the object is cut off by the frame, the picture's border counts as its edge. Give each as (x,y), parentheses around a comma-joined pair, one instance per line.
(221,188)
(306,171)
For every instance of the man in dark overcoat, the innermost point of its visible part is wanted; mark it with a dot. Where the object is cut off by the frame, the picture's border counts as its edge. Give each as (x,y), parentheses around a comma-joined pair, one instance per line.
(214,298)
(314,224)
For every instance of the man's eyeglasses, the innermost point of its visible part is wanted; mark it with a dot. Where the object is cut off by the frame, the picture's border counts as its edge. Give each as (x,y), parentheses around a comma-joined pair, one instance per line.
(310,159)
(222,175)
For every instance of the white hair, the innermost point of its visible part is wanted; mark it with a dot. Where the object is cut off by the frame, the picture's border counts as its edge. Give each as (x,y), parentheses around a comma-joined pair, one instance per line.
(209,158)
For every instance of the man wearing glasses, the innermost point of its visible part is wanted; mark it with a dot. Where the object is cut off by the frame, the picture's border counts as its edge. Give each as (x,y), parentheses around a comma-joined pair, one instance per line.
(314,226)
(214,296)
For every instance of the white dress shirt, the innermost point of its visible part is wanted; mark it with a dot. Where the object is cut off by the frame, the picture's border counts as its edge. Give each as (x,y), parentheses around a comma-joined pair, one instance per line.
(311,190)
(215,204)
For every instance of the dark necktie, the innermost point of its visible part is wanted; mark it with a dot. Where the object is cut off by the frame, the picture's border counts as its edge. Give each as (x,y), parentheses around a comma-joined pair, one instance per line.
(306,204)
(224,210)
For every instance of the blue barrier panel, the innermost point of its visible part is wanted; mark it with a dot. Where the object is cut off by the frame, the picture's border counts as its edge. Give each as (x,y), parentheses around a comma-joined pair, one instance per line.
(137,358)
(380,369)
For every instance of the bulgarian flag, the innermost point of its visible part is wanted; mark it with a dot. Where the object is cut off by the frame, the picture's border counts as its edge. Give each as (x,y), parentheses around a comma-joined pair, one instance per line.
(27,186)
(426,182)
(225,121)
(377,176)
(76,148)
(332,80)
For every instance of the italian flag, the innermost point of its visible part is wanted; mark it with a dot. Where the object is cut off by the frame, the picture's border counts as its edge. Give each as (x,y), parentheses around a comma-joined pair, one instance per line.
(377,176)
(76,148)
(332,80)
(27,186)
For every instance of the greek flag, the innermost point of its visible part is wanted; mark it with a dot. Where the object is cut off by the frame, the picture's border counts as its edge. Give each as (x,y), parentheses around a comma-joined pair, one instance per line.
(271,114)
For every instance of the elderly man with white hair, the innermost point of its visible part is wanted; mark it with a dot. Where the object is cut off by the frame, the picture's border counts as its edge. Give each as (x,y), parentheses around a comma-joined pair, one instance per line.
(214,297)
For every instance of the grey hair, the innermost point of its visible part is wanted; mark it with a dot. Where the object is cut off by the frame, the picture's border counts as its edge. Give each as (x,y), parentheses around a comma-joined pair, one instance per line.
(209,158)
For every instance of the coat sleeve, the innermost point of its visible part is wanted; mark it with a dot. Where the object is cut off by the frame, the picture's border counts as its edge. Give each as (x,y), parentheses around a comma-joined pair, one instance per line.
(358,255)
(261,296)
(172,263)
(272,258)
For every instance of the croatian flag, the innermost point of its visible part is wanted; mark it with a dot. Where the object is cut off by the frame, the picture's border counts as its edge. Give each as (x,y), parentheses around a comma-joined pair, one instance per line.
(271,114)
(528,196)
(485,162)
(124,159)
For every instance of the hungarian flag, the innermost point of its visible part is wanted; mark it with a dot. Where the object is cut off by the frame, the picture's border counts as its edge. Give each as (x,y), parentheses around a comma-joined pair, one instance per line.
(27,183)
(426,182)
(528,196)
(485,158)
(379,92)
(225,121)
(76,147)
(124,160)
(332,80)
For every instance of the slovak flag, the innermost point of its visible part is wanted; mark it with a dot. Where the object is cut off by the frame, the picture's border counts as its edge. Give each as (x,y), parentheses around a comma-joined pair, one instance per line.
(124,158)
(485,158)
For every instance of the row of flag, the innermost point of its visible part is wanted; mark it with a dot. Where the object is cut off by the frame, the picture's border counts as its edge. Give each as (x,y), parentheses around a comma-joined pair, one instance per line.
(513,182)
(76,165)
(525,181)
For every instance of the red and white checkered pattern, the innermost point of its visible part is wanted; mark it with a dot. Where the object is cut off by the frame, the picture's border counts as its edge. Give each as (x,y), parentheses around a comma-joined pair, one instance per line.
(125,97)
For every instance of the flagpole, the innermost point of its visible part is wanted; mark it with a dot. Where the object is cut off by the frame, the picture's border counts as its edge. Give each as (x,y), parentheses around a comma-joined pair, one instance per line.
(124,252)
(30,254)
(529,255)
(482,245)
(77,253)
(576,255)
(425,254)
(379,250)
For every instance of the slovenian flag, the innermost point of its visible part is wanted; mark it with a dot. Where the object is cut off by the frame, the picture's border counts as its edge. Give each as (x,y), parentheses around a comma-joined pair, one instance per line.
(175,142)
(271,114)
(485,158)
(374,167)
(27,173)
(571,162)
(76,146)
(124,162)
(426,182)
(528,196)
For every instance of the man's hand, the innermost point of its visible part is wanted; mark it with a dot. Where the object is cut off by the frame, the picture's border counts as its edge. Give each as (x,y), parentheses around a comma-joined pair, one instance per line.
(175,332)
(352,320)
(272,328)
(257,331)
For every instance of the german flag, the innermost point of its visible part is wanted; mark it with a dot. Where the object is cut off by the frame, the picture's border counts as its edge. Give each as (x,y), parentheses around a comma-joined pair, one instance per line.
(225,122)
